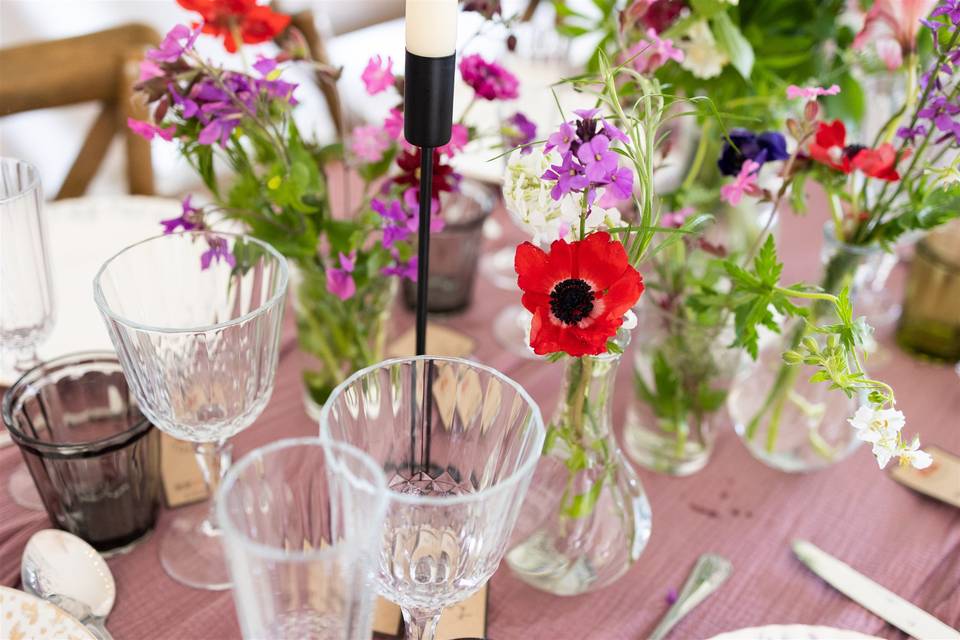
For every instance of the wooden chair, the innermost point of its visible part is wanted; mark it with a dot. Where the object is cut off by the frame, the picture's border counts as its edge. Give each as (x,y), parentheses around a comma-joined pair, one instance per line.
(102,67)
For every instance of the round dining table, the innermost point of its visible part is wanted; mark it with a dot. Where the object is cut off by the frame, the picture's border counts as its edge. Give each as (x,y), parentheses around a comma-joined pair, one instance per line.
(735,507)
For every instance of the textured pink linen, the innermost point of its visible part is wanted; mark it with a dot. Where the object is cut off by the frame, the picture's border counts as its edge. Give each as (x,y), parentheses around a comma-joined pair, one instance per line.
(736,507)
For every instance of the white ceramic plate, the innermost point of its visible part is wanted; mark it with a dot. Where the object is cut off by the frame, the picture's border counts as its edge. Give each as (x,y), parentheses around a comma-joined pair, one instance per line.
(25,616)
(81,234)
(792,632)
(81,572)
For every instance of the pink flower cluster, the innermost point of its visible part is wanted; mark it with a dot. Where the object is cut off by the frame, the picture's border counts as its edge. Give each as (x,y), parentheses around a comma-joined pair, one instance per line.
(489,80)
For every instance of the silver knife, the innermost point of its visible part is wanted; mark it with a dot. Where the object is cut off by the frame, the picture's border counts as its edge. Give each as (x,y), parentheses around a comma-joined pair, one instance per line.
(871,596)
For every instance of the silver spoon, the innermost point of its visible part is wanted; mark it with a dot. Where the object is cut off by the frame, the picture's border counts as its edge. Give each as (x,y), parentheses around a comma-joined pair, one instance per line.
(60,567)
(708,574)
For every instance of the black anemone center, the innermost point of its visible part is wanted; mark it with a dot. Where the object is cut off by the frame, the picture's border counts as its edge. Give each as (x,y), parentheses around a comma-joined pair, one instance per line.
(850,151)
(571,301)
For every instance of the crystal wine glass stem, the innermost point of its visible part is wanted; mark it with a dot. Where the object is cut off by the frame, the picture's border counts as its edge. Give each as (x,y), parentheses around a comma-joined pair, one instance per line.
(420,624)
(25,359)
(214,459)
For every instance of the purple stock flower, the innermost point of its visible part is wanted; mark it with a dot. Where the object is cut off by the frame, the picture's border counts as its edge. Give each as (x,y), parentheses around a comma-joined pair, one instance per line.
(340,281)
(598,161)
(587,114)
(265,65)
(569,176)
(402,269)
(561,139)
(218,251)
(612,132)
(619,186)
(190,218)
(520,131)
(171,48)
(909,134)
(148,130)
(949,8)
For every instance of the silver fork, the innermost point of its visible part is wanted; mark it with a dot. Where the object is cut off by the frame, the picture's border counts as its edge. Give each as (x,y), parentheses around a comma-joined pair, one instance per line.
(708,574)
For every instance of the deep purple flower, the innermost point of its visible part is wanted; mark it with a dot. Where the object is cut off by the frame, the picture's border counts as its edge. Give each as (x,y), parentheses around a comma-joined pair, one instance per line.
(949,8)
(561,139)
(171,48)
(265,65)
(611,131)
(218,251)
(569,176)
(520,131)
(587,114)
(489,80)
(188,107)
(393,212)
(190,218)
(909,134)
(598,161)
(766,147)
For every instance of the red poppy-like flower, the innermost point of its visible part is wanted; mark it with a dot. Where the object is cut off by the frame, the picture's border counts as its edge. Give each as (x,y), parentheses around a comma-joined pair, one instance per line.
(253,22)
(577,293)
(444,178)
(878,163)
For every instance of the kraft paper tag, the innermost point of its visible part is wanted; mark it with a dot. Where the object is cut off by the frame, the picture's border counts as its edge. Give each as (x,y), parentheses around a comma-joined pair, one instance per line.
(183,482)
(441,341)
(467,619)
(941,480)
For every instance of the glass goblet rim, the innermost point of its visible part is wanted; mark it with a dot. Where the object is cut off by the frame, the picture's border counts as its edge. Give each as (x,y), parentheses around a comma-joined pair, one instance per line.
(264,307)
(31,186)
(518,474)
(49,449)
(261,550)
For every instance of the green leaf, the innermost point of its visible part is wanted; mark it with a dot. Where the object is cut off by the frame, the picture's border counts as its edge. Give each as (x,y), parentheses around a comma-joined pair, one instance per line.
(582,504)
(709,8)
(732,41)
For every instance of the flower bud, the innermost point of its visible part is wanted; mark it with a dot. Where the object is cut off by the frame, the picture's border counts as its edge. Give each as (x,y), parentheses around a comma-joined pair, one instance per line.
(811,111)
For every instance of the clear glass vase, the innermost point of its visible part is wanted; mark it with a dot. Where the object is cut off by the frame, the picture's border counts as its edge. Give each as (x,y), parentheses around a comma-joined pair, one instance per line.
(586,519)
(784,420)
(682,371)
(338,337)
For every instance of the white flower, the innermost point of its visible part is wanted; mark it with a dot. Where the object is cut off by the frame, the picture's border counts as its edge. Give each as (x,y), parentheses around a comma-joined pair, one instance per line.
(528,198)
(600,219)
(629,320)
(883,450)
(702,57)
(912,454)
(877,425)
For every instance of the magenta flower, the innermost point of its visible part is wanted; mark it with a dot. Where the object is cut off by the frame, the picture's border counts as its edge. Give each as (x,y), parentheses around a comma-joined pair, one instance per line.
(369,142)
(340,281)
(404,270)
(612,132)
(794,92)
(459,137)
(489,80)
(648,55)
(675,219)
(149,130)
(569,177)
(520,131)
(149,70)
(174,44)
(377,76)
(744,183)
(190,218)
(393,125)
(218,251)
(561,139)
(265,65)
(598,161)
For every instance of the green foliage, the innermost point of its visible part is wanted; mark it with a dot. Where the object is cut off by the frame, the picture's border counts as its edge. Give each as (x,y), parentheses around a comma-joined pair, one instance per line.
(930,209)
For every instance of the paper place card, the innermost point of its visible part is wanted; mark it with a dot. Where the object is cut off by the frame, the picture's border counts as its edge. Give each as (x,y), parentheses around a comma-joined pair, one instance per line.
(467,619)
(441,341)
(183,482)
(941,480)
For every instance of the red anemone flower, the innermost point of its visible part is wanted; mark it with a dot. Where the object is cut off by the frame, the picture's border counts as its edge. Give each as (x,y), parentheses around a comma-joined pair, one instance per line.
(829,146)
(254,23)
(577,293)
(878,163)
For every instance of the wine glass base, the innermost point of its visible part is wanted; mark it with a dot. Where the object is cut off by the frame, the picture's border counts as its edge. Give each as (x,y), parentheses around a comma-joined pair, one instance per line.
(499,268)
(23,490)
(510,328)
(191,552)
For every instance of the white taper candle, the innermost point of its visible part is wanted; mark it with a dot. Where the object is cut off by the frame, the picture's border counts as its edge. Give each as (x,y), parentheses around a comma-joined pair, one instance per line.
(432,27)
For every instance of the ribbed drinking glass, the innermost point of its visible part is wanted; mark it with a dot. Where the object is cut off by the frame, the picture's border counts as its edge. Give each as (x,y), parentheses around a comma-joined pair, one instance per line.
(458,442)
(195,318)
(301,525)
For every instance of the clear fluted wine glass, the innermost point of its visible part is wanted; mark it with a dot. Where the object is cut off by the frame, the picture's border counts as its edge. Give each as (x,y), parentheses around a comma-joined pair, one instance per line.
(301,523)
(26,288)
(195,318)
(459,443)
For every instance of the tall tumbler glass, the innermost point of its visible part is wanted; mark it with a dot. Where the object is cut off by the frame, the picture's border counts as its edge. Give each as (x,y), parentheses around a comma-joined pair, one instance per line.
(301,525)
(459,443)
(26,289)
(195,318)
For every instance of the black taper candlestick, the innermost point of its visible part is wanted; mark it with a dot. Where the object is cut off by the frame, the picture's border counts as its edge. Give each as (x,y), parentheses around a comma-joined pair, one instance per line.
(427,123)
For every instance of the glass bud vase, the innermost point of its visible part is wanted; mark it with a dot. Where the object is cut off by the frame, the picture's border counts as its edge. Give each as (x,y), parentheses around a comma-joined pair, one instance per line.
(786,421)
(681,377)
(586,519)
(337,337)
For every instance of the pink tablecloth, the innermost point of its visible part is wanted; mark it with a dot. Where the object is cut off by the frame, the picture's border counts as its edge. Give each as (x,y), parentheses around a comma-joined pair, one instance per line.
(736,507)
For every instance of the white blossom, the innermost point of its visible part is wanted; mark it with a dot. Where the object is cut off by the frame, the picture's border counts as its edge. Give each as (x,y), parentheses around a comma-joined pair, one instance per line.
(527,196)
(702,57)
(877,425)
(912,454)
